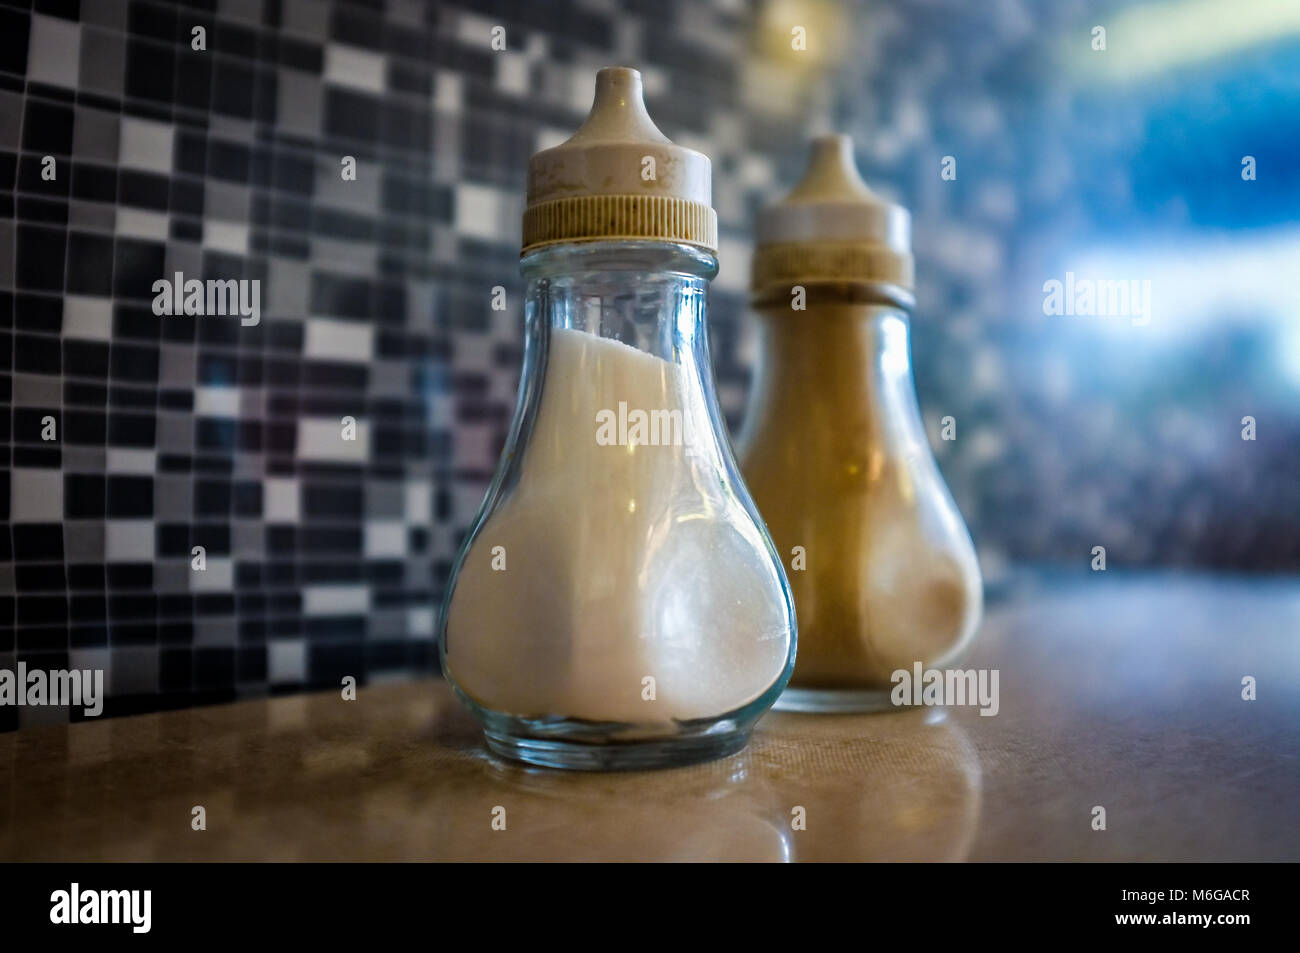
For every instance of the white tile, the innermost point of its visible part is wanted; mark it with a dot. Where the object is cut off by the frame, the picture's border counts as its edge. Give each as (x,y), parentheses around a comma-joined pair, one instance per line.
(323,440)
(140,223)
(286,661)
(385,538)
(216,401)
(35,495)
(733,265)
(654,81)
(226,236)
(339,340)
(335,600)
(218,577)
(548,137)
(355,67)
(419,622)
(129,540)
(479,210)
(476,31)
(513,73)
(54,51)
(280,499)
(145,144)
(448,91)
(127,460)
(418,495)
(88,318)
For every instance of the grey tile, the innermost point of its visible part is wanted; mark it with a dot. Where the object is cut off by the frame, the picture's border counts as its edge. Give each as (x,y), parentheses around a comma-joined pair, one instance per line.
(385,498)
(53,51)
(84,459)
(248,10)
(134,671)
(184,257)
(105,13)
(129,540)
(83,541)
(226,201)
(35,495)
(177,366)
(172,575)
(173,497)
(92,216)
(174,433)
(11,117)
(6,254)
(103,61)
(37,390)
(214,632)
(290,288)
(95,134)
(361,193)
(298,103)
(308,17)
(386,624)
(35,716)
(248,539)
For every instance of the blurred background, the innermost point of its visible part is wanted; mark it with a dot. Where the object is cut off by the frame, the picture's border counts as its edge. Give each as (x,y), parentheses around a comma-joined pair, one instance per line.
(1161,149)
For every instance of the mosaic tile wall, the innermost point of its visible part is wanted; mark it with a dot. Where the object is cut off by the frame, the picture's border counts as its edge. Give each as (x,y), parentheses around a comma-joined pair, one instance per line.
(132,438)
(325,557)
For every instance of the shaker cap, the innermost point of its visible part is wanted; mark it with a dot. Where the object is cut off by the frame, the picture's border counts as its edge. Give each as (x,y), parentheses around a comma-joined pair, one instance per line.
(619,177)
(832,228)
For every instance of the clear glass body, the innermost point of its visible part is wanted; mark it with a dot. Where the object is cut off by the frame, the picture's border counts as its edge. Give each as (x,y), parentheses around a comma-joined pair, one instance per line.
(617,602)
(836,456)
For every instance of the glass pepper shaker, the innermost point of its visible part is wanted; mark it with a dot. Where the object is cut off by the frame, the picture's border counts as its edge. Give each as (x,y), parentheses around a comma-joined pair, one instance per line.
(882,567)
(617,602)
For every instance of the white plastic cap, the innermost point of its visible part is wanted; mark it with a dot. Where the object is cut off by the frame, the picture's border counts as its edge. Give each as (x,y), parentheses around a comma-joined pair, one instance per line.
(619,177)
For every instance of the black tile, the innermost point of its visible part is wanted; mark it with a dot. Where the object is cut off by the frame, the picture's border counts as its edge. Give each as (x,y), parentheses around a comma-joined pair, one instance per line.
(40,257)
(47,128)
(36,354)
(90,264)
(35,312)
(14,25)
(85,358)
(136,266)
(37,541)
(130,496)
(233,88)
(150,71)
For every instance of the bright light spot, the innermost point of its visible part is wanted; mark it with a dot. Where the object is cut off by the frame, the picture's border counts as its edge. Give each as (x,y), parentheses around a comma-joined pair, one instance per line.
(1151,39)
(1244,277)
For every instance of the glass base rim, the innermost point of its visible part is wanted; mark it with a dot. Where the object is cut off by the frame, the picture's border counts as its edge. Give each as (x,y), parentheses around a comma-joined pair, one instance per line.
(831,701)
(650,754)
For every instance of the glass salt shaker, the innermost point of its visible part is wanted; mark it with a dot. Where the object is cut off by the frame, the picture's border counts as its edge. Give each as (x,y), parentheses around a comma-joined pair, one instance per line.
(882,567)
(617,602)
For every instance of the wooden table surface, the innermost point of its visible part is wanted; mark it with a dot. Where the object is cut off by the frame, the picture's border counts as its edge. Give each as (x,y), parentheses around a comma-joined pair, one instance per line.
(1117,692)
